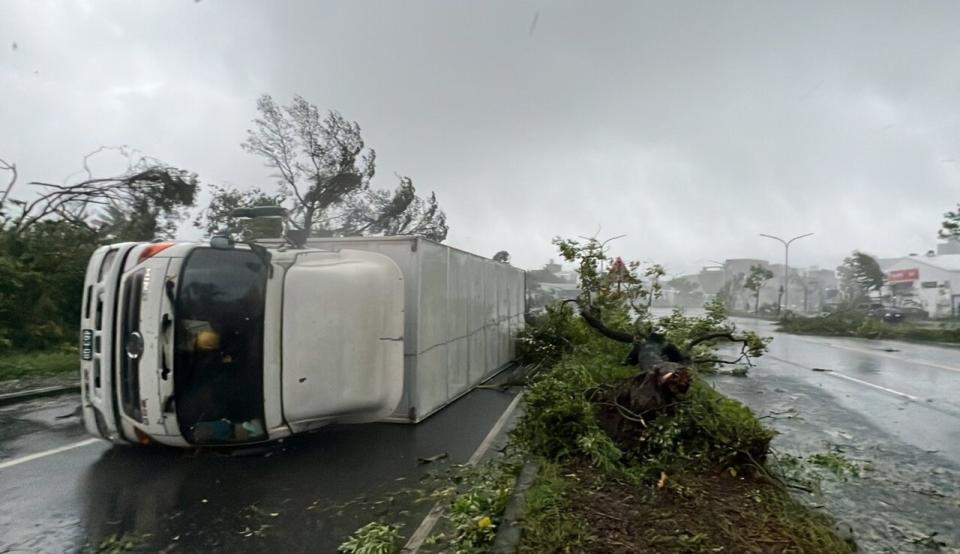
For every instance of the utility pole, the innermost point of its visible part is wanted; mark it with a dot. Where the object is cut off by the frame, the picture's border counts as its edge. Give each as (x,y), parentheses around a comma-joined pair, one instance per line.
(786,265)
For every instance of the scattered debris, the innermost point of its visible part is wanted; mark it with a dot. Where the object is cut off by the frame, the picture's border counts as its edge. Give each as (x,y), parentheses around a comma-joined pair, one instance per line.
(930,492)
(788,414)
(738,371)
(124,542)
(836,463)
(373,537)
(845,531)
(929,541)
(75,413)
(432,459)
(663,480)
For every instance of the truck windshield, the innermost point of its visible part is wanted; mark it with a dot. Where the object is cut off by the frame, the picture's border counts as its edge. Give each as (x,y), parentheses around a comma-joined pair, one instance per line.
(218,354)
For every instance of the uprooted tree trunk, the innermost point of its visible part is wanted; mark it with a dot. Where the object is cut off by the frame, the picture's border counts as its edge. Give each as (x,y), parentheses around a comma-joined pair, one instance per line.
(625,408)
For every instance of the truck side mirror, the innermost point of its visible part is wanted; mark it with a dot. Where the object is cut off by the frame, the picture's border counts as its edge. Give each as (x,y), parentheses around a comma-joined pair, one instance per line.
(221,243)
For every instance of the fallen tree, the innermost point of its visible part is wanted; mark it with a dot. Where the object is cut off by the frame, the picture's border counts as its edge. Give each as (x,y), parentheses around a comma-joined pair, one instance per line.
(638,452)
(612,411)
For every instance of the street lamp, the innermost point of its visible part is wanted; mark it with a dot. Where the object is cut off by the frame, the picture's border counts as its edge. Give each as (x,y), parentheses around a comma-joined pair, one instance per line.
(786,265)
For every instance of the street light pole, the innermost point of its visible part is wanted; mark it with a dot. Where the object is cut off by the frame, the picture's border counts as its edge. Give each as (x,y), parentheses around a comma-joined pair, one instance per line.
(786,265)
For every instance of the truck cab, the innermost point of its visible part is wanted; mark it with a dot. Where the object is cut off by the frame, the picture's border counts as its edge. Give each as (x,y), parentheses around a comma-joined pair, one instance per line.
(222,343)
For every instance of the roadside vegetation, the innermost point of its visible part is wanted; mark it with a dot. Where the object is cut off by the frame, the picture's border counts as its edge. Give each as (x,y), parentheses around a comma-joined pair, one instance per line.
(636,452)
(648,469)
(857,323)
(48,230)
(695,480)
(50,363)
(861,276)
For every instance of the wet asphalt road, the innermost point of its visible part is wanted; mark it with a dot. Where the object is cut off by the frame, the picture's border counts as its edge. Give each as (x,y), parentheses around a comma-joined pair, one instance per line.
(891,408)
(306,495)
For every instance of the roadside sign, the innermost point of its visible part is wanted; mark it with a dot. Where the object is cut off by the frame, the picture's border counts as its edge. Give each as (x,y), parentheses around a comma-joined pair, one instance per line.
(903,275)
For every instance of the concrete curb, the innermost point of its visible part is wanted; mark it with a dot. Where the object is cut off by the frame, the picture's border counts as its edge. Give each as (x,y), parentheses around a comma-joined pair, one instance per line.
(511,526)
(24,395)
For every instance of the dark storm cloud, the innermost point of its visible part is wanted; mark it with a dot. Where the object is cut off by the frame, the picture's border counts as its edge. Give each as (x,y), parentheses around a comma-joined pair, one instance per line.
(690,127)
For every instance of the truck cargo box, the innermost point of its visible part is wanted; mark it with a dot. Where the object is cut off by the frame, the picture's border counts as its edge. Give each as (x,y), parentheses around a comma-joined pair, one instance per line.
(462,314)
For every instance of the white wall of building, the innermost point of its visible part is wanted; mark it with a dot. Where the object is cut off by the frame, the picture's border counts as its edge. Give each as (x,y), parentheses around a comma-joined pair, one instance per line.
(936,286)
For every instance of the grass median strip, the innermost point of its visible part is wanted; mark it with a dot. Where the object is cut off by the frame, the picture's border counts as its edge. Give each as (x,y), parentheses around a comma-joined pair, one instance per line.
(853,324)
(689,477)
(577,508)
(23,365)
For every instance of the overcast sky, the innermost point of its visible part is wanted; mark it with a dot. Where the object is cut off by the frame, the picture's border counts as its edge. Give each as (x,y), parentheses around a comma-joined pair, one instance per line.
(689,127)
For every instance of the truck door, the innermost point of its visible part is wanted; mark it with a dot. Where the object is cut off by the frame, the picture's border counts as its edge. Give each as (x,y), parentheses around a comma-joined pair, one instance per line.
(342,338)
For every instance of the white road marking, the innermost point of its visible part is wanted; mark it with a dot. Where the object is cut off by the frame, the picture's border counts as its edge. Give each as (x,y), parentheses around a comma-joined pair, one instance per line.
(881,354)
(837,374)
(430,521)
(494,431)
(885,389)
(45,453)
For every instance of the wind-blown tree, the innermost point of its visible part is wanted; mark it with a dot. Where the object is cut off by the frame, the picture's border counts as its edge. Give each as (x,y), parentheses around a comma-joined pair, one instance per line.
(216,218)
(147,201)
(47,236)
(859,275)
(688,292)
(379,212)
(758,277)
(323,168)
(666,351)
(950,228)
(732,290)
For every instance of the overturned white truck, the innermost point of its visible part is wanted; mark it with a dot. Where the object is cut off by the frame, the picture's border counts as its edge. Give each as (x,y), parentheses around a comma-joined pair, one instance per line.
(218,343)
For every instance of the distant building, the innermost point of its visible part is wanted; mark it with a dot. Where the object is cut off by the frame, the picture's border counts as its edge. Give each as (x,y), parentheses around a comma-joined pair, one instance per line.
(931,282)
(736,266)
(885,263)
(949,246)
(827,277)
(711,279)
(550,284)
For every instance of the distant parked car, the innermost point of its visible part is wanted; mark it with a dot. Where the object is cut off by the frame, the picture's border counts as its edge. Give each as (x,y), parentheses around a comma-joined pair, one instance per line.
(913,312)
(889,314)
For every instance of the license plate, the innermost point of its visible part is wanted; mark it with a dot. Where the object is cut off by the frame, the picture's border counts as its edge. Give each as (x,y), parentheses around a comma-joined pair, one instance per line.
(86,344)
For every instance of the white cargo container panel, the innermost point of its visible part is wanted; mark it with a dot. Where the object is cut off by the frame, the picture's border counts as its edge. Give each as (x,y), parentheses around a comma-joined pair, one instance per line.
(462,313)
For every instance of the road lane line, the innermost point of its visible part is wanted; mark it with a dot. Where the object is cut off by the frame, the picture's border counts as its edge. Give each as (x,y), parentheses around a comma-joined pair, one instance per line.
(847,377)
(885,389)
(881,354)
(430,521)
(494,431)
(45,453)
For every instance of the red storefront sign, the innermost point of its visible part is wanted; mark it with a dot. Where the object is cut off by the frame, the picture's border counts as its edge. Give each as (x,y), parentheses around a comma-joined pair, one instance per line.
(903,275)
